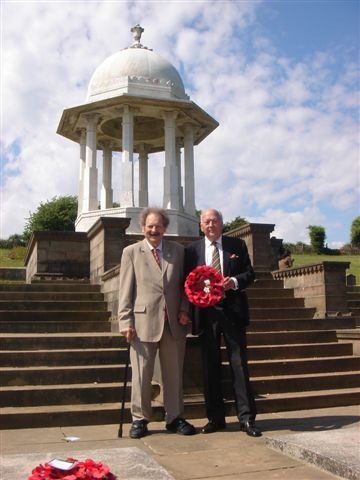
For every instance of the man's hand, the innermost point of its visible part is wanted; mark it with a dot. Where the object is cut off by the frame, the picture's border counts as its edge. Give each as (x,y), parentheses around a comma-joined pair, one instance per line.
(184,318)
(128,333)
(228,284)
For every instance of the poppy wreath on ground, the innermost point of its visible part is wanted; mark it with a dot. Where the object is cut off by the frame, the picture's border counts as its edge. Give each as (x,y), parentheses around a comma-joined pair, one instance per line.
(204,286)
(86,470)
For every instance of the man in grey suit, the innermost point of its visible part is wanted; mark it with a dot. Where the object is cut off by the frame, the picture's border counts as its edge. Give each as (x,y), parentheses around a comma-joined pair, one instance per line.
(153,316)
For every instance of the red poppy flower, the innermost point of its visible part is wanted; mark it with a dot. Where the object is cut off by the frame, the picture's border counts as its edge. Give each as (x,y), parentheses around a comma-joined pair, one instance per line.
(204,286)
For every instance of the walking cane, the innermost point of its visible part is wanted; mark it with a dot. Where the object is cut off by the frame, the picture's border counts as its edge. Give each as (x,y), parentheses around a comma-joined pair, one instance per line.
(127,361)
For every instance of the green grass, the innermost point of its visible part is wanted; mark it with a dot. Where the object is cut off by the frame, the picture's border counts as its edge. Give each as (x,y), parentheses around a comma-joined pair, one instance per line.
(308,259)
(12,257)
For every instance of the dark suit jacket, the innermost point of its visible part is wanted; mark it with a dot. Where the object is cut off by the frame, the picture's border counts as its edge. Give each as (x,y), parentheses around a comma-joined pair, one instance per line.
(236,263)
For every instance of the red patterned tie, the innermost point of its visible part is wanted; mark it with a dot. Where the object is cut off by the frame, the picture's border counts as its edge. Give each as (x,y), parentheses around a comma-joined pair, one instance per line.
(156,256)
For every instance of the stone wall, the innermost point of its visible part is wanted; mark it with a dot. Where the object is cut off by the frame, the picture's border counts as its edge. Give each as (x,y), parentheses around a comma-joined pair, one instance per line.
(57,253)
(107,239)
(13,274)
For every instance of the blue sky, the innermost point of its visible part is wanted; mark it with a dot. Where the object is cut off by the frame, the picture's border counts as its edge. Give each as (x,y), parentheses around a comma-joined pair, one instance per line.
(281,77)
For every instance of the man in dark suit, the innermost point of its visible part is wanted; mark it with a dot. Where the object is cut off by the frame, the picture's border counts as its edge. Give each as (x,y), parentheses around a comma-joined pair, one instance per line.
(228,318)
(153,316)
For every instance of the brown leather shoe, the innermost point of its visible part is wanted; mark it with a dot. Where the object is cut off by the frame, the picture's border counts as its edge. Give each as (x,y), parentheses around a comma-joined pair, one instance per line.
(213,426)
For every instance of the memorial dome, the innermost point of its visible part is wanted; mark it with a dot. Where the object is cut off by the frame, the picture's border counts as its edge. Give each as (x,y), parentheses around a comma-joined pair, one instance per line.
(136,70)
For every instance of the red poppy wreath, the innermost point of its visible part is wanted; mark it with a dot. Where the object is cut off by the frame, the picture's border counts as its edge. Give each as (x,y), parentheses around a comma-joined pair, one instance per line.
(71,469)
(204,286)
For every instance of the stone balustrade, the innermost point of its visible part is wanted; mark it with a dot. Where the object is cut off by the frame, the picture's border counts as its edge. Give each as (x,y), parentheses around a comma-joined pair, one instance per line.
(322,285)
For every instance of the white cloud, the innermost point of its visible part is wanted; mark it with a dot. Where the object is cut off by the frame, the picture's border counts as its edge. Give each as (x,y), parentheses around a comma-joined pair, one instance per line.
(286,150)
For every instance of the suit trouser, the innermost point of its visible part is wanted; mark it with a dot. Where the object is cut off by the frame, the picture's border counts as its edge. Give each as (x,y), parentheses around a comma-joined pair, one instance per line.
(171,355)
(216,323)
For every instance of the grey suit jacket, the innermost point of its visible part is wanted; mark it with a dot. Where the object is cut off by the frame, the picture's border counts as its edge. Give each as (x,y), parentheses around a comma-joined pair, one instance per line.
(145,291)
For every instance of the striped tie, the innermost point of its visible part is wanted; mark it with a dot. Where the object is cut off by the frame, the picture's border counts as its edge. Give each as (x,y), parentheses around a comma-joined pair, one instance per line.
(215,262)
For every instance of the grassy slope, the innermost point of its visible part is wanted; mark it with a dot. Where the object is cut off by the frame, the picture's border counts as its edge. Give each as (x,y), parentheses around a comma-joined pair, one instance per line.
(307,259)
(12,257)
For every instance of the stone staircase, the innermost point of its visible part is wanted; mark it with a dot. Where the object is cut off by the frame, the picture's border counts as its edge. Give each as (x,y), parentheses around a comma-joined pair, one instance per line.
(61,365)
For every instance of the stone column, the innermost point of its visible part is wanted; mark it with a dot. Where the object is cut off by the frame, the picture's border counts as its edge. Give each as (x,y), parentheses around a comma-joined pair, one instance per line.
(178,165)
(90,198)
(143,177)
(127,167)
(106,190)
(189,175)
(257,239)
(82,170)
(171,173)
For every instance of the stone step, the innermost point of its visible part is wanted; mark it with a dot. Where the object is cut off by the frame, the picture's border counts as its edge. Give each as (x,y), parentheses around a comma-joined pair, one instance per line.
(70,374)
(109,413)
(37,302)
(303,366)
(58,341)
(71,360)
(302,324)
(50,287)
(52,305)
(79,357)
(319,350)
(279,302)
(303,383)
(287,338)
(111,356)
(281,313)
(35,296)
(266,283)
(52,316)
(48,341)
(37,395)
(260,292)
(85,324)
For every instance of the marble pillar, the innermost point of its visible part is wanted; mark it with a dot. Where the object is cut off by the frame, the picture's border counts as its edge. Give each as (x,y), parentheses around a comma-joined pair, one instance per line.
(127,167)
(90,197)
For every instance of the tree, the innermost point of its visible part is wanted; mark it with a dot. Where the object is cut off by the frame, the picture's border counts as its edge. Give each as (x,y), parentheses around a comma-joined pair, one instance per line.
(58,214)
(317,237)
(237,222)
(355,232)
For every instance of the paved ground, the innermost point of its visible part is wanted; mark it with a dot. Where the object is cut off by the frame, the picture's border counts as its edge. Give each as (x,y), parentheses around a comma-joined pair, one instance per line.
(317,444)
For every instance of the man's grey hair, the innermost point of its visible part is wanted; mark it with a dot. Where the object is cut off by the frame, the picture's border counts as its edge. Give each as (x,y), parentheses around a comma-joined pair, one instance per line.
(214,210)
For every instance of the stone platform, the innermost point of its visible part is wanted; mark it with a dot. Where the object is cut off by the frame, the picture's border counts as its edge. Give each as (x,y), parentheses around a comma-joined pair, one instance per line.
(302,445)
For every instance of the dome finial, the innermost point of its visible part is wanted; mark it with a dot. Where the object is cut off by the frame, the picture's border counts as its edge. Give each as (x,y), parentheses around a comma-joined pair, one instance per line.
(137,31)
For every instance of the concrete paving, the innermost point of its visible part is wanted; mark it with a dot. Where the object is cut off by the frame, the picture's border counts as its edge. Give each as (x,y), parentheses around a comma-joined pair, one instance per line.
(304,445)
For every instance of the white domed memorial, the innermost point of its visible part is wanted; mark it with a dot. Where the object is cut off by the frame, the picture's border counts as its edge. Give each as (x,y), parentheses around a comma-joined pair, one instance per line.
(136,105)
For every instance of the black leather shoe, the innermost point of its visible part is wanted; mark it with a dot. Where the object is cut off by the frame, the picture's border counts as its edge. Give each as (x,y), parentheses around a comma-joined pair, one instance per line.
(138,429)
(213,426)
(181,426)
(250,428)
